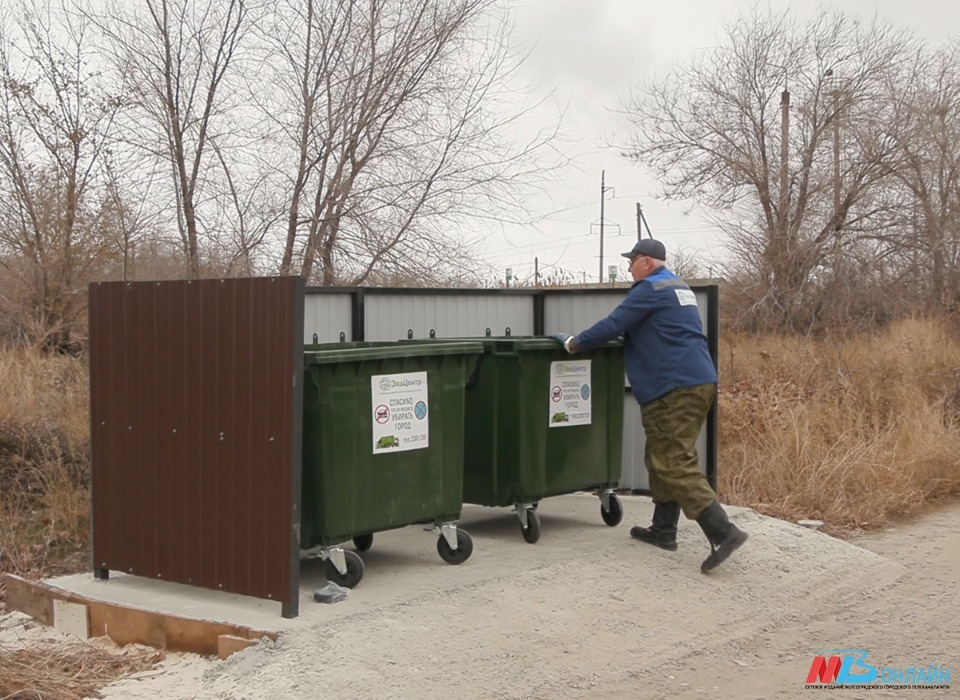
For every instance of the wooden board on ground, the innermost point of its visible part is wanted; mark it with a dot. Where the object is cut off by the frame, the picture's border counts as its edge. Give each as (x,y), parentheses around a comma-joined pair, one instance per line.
(126,625)
(27,597)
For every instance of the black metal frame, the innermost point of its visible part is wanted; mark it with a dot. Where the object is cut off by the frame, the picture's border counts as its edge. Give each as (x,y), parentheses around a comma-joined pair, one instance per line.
(291,607)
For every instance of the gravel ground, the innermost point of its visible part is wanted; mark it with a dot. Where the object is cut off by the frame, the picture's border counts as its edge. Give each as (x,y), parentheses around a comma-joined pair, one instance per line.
(589,613)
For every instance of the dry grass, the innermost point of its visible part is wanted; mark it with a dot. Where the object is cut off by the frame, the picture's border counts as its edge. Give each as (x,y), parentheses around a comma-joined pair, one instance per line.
(57,671)
(853,431)
(44,474)
(45,392)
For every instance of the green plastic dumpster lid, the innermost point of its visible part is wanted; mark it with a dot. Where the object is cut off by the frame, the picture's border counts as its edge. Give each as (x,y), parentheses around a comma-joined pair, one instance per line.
(512,343)
(336,354)
(532,342)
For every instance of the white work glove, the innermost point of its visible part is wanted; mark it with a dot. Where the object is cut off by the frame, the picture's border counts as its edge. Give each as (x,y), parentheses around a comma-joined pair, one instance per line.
(563,339)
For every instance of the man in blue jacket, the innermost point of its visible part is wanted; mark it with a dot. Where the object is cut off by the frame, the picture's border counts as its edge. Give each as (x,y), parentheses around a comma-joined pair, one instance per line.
(674,380)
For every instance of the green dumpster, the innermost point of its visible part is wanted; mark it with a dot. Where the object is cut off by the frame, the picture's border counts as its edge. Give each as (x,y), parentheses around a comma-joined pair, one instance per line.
(382,447)
(541,422)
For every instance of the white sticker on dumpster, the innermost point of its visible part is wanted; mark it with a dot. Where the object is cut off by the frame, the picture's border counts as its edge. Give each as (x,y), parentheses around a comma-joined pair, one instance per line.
(570,394)
(400,412)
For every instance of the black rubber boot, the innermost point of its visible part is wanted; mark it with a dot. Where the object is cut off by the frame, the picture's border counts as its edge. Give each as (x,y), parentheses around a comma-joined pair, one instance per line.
(663,530)
(725,537)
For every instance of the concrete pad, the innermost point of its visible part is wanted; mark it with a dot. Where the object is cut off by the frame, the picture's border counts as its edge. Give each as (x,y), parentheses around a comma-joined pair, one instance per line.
(404,565)
(401,563)
(175,599)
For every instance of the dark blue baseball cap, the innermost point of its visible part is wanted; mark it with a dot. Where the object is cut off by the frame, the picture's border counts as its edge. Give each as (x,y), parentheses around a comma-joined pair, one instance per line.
(648,247)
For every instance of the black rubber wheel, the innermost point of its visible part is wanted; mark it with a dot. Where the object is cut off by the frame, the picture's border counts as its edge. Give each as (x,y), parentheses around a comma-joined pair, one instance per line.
(531,533)
(534,505)
(354,570)
(363,542)
(461,553)
(614,516)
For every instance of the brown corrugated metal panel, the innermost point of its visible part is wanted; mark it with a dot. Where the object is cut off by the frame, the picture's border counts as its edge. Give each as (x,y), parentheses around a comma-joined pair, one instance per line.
(195,408)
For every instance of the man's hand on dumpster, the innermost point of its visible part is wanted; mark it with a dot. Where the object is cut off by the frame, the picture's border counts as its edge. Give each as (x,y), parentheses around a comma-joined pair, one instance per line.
(565,339)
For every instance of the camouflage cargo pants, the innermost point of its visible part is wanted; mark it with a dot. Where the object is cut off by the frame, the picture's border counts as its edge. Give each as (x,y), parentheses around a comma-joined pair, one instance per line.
(672,424)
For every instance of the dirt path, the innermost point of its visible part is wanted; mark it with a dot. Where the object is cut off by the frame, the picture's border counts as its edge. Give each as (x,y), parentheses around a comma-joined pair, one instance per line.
(909,621)
(588,613)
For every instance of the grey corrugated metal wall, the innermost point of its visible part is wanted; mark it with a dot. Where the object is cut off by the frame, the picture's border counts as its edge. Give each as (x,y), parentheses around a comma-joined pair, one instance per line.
(388,314)
(327,316)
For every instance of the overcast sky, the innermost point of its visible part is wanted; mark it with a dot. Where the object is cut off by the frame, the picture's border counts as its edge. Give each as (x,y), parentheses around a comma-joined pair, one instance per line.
(591,52)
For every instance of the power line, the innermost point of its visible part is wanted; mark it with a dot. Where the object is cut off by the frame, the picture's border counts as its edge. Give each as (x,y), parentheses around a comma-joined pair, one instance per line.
(590,203)
(556,243)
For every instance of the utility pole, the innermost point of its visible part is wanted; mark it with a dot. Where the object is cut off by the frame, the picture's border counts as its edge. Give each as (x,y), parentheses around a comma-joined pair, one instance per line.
(642,220)
(836,155)
(536,272)
(603,193)
(835,95)
(603,190)
(784,156)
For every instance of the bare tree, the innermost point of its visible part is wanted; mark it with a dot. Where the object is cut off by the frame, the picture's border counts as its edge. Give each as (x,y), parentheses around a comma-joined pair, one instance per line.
(388,111)
(785,131)
(177,57)
(926,239)
(129,220)
(253,209)
(56,113)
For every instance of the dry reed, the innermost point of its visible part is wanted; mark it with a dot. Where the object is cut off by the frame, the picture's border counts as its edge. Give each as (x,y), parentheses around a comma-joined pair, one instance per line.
(44,501)
(853,430)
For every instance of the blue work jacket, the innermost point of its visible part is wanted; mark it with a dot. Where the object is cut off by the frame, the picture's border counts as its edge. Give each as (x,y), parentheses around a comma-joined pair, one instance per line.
(664,344)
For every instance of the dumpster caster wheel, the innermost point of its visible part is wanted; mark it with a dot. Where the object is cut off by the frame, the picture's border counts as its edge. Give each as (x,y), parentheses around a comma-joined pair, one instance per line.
(354,570)
(614,516)
(363,542)
(534,505)
(461,553)
(531,533)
